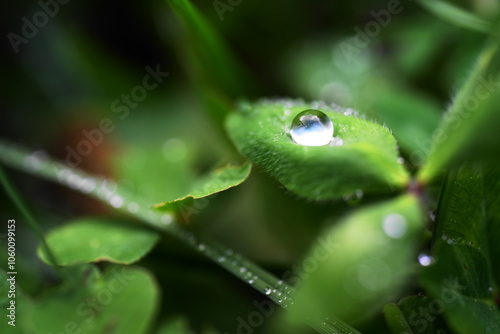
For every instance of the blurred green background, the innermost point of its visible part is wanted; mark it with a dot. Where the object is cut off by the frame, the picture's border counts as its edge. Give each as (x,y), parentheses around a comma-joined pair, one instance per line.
(66,79)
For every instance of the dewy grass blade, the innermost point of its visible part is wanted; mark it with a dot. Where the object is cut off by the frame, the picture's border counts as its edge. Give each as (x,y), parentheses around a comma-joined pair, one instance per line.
(105,190)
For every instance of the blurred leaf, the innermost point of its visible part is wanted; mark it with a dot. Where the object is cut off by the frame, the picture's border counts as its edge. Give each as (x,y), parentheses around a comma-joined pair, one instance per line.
(396,319)
(361,263)
(209,56)
(218,180)
(367,159)
(461,274)
(457,16)
(492,204)
(99,239)
(121,300)
(415,314)
(411,117)
(175,326)
(469,129)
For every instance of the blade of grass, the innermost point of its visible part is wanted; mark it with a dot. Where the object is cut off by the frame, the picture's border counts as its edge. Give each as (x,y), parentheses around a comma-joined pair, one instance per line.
(215,65)
(469,129)
(23,209)
(457,16)
(106,191)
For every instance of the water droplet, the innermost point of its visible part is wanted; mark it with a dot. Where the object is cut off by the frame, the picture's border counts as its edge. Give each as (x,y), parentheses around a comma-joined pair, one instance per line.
(267,291)
(280,282)
(312,128)
(243,269)
(133,207)
(354,198)
(202,247)
(394,225)
(425,260)
(336,141)
(116,201)
(401,161)
(229,252)
(250,281)
(221,259)
(166,219)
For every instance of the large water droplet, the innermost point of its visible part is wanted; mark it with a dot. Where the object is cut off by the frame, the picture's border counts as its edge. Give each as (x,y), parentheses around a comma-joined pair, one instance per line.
(312,128)
(394,225)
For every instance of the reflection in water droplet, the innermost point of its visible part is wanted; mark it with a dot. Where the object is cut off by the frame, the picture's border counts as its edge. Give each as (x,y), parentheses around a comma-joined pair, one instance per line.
(312,128)
(394,225)
(425,260)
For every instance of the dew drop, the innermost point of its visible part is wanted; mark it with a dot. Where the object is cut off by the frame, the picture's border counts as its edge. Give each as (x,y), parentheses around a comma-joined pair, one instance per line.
(267,291)
(202,247)
(394,225)
(243,269)
(116,201)
(251,281)
(311,128)
(425,260)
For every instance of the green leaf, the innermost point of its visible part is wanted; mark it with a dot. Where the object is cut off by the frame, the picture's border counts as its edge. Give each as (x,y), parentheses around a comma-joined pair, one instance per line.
(218,180)
(121,300)
(367,160)
(457,16)
(99,239)
(415,314)
(361,263)
(396,319)
(469,130)
(492,204)
(461,276)
(175,326)
(412,118)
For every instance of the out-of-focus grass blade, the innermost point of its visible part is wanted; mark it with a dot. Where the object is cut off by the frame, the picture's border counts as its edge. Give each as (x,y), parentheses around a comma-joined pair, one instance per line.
(456,16)
(470,128)
(212,64)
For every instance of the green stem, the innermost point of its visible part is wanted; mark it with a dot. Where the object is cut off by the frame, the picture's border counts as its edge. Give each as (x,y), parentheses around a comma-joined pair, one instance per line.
(106,191)
(23,209)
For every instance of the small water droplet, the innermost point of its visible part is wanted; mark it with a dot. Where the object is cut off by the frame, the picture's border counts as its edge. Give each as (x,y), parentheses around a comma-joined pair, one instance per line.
(202,247)
(432,215)
(336,141)
(267,291)
(394,225)
(221,259)
(166,219)
(312,128)
(243,270)
(229,252)
(116,201)
(425,260)
(133,207)
(280,282)
(250,281)
(401,161)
